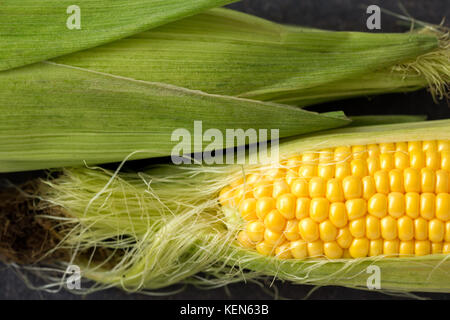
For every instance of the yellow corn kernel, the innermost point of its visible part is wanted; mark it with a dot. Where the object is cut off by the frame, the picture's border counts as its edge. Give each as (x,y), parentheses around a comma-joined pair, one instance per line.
(244,240)
(286,204)
(427,205)
(432,160)
(422,247)
(429,146)
(293,164)
(375,247)
(327,230)
(406,248)
(388,228)
(326,171)
(342,170)
(338,214)
(280,187)
(436,230)
(414,146)
(255,231)
(420,229)
(332,250)
(300,188)
(396,204)
(446,248)
(265,248)
(443,206)
(401,147)
(443,145)
(264,206)
(263,189)
(310,158)
(373,227)
(273,238)
(346,254)
(382,184)
(283,251)
(447,231)
(315,248)
(445,160)
(428,180)
(417,160)
(373,150)
(299,249)
(359,168)
(368,187)
(405,226)
(248,209)
(412,182)
(242,193)
(359,248)
(373,165)
(342,154)
(391,247)
(334,191)
(302,208)
(275,221)
(359,152)
(401,160)
(317,187)
(307,171)
(319,209)
(387,147)
(436,247)
(291,230)
(396,180)
(412,204)
(236,183)
(291,177)
(356,208)
(326,155)
(226,197)
(442,181)
(309,229)
(387,161)
(378,205)
(344,238)
(275,174)
(352,187)
(358,228)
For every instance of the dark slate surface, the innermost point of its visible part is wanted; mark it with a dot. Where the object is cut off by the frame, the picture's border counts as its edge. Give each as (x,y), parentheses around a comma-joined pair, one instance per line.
(327,14)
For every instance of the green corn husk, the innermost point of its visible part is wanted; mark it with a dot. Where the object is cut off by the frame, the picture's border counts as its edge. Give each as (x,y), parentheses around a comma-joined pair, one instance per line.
(104,104)
(33,31)
(231,53)
(54,115)
(164,225)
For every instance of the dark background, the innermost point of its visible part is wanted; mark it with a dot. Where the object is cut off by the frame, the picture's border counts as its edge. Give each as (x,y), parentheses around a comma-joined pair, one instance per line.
(326,14)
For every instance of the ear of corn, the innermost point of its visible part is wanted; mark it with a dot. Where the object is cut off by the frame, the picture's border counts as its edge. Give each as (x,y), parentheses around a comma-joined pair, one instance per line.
(32,32)
(226,52)
(57,115)
(172,222)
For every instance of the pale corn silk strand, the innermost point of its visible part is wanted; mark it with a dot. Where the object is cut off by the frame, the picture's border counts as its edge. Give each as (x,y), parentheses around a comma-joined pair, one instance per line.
(164,226)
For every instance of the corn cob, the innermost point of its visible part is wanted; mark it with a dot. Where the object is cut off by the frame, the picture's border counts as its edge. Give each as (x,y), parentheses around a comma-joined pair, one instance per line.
(167,224)
(380,199)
